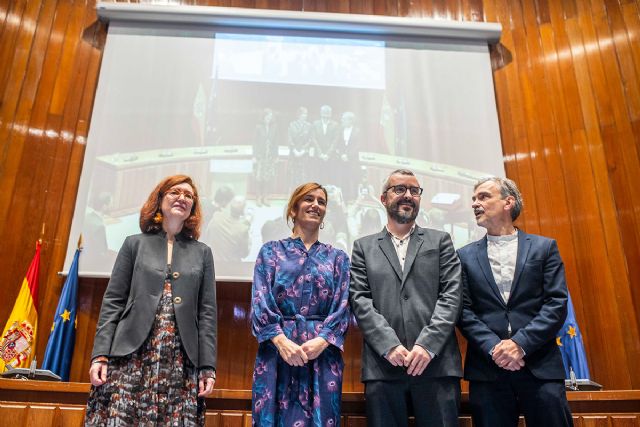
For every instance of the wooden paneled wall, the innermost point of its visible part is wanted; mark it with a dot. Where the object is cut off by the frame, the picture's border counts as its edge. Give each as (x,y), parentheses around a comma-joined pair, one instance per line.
(567,78)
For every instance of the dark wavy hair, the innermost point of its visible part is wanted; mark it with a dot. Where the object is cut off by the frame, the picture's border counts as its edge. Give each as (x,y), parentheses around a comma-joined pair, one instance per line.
(191,227)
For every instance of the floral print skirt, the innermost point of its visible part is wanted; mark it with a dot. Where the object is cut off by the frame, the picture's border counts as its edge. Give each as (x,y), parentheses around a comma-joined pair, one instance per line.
(155,385)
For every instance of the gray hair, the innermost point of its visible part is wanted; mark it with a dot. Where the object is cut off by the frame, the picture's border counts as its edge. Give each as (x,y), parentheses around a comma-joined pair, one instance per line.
(507,188)
(348,115)
(385,185)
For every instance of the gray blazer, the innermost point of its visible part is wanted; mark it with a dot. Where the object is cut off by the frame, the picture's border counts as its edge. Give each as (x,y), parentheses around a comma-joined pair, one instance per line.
(134,290)
(418,306)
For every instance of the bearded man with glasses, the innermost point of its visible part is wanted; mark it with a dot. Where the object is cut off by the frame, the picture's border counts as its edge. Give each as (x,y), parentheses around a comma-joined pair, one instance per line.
(406,296)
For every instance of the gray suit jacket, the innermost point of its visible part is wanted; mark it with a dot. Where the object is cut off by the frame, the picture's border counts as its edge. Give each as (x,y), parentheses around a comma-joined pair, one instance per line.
(134,290)
(418,306)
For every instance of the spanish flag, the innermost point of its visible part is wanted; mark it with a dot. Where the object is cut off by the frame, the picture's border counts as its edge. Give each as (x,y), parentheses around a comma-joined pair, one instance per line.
(18,342)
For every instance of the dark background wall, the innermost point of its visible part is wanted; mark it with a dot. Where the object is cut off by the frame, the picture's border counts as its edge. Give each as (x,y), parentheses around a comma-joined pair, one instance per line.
(568,93)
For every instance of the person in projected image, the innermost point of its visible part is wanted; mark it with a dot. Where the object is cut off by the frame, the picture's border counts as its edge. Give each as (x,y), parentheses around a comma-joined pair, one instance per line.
(154,353)
(406,296)
(299,140)
(347,151)
(218,202)
(325,135)
(300,314)
(515,302)
(336,229)
(222,198)
(265,155)
(228,232)
(94,232)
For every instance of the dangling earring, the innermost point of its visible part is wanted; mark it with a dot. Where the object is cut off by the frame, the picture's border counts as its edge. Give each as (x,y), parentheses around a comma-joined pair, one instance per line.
(321,225)
(158,218)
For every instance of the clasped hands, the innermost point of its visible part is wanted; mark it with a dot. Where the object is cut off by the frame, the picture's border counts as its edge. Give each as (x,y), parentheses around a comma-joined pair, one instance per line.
(298,355)
(508,355)
(416,360)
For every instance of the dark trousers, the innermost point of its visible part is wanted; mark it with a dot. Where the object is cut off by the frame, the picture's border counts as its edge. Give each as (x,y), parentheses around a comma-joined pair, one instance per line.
(500,403)
(434,402)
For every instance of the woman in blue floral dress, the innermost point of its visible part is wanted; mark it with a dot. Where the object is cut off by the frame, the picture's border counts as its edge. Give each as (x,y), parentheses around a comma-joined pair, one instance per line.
(300,315)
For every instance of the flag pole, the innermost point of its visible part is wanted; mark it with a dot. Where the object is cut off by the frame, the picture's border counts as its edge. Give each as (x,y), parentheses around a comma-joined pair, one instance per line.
(41,235)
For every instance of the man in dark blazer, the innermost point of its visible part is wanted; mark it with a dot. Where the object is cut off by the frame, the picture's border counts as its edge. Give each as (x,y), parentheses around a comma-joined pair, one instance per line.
(406,296)
(347,150)
(325,132)
(515,301)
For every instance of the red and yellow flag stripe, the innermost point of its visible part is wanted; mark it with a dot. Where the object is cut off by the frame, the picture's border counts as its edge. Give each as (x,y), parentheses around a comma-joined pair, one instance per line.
(18,339)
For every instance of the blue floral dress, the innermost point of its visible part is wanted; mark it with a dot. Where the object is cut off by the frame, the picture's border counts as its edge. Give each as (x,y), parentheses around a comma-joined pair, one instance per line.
(303,294)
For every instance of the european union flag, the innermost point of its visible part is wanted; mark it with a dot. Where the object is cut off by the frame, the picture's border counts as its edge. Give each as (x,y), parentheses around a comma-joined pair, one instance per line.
(57,356)
(571,346)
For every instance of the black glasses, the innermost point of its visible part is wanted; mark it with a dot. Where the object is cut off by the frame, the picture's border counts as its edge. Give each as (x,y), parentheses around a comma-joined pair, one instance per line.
(402,189)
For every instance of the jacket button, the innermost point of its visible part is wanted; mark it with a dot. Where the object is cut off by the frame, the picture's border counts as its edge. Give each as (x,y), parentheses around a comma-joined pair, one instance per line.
(175,275)
(177,300)
(406,297)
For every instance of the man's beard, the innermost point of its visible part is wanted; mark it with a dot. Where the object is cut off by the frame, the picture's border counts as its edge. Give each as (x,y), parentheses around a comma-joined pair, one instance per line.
(400,216)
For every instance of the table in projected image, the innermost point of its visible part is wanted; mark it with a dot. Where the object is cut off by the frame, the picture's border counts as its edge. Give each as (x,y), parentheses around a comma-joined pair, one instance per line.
(129,177)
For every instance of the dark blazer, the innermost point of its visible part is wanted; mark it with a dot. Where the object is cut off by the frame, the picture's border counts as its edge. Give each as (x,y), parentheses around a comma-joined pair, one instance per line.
(418,306)
(134,290)
(265,145)
(353,148)
(536,309)
(325,142)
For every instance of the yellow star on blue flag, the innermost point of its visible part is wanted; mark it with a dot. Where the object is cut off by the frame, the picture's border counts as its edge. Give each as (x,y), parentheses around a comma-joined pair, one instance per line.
(57,356)
(571,346)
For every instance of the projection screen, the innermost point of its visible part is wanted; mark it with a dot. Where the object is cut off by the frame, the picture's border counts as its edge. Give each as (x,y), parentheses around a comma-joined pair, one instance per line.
(250,112)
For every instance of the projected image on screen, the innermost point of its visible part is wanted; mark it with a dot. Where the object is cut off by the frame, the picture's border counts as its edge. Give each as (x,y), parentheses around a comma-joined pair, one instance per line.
(249,117)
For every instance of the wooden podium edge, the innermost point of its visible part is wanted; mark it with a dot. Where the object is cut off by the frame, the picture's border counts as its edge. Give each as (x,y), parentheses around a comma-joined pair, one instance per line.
(70,393)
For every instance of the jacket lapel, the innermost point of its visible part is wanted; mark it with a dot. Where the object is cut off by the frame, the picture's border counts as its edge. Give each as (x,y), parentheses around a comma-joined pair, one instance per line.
(483,260)
(524,244)
(384,240)
(415,242)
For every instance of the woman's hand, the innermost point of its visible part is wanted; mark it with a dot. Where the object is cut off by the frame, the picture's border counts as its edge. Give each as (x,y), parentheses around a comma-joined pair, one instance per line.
(314,347)
(291,352)
(205,386)
(98,371)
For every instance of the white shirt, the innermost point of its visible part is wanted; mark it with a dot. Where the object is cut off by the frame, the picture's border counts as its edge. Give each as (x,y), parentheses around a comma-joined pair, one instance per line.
(401,244)
(346,135)
(503,252)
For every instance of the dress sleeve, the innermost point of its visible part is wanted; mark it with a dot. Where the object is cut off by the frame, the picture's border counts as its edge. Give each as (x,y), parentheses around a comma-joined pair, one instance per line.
(335,325)
(266,318)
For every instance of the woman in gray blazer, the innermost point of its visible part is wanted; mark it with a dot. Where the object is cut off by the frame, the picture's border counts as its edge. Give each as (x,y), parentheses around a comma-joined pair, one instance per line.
(154,352)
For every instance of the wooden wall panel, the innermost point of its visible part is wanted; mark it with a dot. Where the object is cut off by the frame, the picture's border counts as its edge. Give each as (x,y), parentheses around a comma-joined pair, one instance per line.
(39,403)
(50,415)
(567,79)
